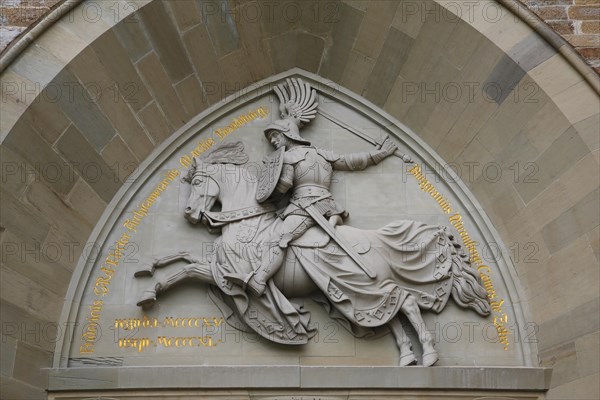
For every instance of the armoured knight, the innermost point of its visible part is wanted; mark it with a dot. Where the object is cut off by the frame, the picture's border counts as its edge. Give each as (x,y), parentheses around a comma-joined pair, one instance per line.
(305,170)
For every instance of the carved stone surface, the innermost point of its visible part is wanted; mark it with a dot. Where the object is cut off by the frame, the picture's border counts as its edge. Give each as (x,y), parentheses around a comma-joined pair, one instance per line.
(306,377)
(320,298)
(363,278)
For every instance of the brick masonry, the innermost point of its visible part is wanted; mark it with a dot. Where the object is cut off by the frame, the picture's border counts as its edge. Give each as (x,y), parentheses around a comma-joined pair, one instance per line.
(17,15)
(578,21)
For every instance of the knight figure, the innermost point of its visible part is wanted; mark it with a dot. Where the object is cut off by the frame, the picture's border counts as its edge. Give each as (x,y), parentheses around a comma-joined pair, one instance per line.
(363,278)
(305,171)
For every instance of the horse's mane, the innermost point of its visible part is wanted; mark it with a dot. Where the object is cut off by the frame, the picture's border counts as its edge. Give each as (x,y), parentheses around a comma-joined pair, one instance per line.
(225,153)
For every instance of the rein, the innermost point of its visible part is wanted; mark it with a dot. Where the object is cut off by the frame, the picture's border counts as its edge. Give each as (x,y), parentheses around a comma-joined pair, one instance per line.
(220,218)
(217,219)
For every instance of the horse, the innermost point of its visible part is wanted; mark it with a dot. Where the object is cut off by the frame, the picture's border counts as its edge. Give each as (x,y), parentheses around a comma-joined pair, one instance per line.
(416,266)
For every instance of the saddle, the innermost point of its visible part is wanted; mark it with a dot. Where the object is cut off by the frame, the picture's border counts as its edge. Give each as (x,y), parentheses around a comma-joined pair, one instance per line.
(315,237)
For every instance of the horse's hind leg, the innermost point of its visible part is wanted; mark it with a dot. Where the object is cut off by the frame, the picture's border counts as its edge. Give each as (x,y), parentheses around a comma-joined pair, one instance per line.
(410,308)
(148,270)
(194,271)
(407,357)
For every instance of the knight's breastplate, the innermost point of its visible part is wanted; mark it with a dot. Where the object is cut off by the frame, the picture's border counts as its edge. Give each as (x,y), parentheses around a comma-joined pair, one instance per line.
(313,170)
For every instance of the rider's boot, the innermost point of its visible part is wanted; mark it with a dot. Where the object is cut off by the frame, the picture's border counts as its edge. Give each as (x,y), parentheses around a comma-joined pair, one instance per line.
(256,281)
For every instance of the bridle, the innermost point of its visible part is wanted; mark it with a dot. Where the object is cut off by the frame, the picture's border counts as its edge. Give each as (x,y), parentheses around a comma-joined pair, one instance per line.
(218,219)
(205,215)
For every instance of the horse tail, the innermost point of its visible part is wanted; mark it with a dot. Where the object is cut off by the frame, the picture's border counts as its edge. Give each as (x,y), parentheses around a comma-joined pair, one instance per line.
(467,287)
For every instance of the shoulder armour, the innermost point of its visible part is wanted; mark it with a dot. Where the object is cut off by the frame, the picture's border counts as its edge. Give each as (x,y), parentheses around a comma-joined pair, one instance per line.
(328,155)
(295,155)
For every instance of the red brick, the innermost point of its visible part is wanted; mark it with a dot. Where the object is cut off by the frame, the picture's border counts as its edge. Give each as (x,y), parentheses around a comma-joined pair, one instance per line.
(562,27)
(548,2)
(583,40)
(21,16)
(551,12)
(590,53)
(36,3)
(584,12)
(590,27)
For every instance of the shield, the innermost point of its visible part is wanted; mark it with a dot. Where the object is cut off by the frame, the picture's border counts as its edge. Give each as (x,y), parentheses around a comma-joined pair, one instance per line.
(270,174)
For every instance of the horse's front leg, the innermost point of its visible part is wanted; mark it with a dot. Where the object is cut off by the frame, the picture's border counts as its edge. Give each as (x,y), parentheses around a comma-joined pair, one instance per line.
(407,357)
(148,270)
(200,272)
(410,308)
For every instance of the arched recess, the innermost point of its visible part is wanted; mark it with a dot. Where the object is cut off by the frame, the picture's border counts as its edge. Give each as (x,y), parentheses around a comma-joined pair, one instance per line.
(558,132)
(72,352)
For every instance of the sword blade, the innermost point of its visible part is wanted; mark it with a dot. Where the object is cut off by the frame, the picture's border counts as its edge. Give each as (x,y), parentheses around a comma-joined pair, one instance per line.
(361,135)
(329,229)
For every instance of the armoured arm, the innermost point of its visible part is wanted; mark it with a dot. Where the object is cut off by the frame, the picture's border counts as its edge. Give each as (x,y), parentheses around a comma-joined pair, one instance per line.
(286,179)
(362,160)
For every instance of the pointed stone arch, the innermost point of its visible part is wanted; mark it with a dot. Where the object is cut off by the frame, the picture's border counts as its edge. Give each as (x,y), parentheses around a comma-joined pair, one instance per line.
(43,136)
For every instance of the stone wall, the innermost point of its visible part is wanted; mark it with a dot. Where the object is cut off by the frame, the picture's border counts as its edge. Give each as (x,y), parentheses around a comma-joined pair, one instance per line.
(578,21)
(532,115)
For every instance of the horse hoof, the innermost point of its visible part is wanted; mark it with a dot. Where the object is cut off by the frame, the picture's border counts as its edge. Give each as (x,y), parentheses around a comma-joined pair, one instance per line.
(149,271)
(148,300)
(407,359)
(430,358)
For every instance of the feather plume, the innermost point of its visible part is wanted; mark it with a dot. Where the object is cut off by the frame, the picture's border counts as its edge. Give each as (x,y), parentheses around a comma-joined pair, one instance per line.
(297,101)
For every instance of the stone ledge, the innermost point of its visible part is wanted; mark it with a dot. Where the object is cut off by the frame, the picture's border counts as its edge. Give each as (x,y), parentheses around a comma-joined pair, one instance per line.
(301,377)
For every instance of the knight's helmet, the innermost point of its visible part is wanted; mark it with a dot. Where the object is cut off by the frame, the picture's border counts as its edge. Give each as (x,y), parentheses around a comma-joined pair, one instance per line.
(287,128)
(297,105)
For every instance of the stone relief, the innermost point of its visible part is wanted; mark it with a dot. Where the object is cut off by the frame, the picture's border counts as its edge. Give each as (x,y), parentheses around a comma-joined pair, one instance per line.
(283,237)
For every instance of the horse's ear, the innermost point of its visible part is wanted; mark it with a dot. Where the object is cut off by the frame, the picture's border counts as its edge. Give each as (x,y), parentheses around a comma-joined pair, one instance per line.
(188,177)
(192,170)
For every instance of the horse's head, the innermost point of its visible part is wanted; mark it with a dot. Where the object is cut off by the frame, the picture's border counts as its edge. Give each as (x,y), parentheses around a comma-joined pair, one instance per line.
(205,191)
(205,177)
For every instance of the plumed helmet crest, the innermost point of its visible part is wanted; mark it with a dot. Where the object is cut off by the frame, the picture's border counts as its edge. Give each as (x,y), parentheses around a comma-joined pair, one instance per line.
(297,101)
(297,106)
